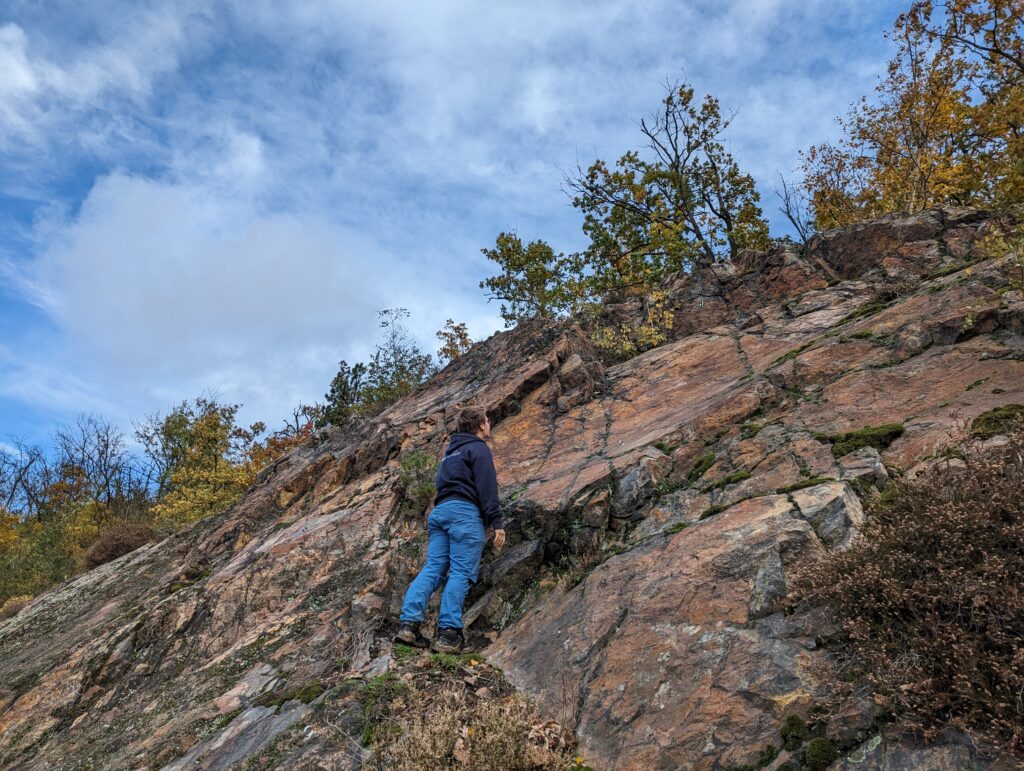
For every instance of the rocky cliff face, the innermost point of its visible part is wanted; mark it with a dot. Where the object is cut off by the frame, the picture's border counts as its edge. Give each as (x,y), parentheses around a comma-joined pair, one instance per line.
(655,508)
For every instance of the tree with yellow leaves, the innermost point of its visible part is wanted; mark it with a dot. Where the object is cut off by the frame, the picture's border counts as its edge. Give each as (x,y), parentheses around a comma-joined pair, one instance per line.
(946,127)
(455,341)
(8,528)
(988,34)
(912,148)
(202,459)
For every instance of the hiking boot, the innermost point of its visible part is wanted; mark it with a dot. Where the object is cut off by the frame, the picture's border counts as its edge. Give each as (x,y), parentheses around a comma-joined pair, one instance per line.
(409,634)
(449,641)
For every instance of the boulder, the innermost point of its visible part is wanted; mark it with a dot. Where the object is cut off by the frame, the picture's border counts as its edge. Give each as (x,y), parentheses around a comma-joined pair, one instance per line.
(661,649)
(640,483)
(833,509)
(865,464)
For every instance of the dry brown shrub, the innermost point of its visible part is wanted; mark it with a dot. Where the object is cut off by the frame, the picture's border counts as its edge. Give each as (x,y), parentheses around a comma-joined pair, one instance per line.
(930,600)
(12,605)
(116,541)
(453,732)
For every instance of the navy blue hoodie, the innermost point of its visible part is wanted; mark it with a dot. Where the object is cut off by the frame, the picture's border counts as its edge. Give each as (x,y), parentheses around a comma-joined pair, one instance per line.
(467,472)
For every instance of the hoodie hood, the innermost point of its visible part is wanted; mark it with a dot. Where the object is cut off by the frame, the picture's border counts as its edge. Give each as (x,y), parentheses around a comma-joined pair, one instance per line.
(460,440)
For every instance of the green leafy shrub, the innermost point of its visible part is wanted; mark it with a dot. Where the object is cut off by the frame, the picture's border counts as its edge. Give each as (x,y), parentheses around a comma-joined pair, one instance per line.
(117,541)
(793,731)
(929,601)
(767,755)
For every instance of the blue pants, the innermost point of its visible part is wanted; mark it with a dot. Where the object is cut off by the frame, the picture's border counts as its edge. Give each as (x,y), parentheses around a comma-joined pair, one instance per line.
(455,542)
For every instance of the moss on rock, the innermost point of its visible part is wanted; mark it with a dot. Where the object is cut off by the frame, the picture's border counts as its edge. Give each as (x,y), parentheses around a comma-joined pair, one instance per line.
(878,437)
(733,478)
(997,421)
(819,754)
(793,732)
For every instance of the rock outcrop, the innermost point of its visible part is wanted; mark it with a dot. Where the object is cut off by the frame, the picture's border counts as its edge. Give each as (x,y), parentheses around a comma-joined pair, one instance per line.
(655,508)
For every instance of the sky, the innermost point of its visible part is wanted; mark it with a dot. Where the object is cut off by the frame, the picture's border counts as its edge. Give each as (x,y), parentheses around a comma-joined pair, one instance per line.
(218,197)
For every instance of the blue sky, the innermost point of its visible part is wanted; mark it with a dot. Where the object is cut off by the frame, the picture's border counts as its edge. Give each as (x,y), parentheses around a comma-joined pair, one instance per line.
(218,196)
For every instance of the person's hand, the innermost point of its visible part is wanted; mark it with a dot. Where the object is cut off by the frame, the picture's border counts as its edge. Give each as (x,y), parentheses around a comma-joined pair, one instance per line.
(499,539)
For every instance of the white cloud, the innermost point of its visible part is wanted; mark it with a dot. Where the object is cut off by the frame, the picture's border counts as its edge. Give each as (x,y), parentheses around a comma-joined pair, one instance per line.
(40,88)
(167,290)
(20,80)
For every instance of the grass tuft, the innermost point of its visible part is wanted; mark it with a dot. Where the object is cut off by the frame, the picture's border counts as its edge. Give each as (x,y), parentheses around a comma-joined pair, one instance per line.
(700,467)
(304,693)
(731,479)
(804,483)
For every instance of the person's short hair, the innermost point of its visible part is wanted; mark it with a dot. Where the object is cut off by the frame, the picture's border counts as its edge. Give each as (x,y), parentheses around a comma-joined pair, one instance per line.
(470,420)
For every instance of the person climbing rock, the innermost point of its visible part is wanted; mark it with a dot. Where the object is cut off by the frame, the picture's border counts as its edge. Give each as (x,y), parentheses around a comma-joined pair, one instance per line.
(466,503)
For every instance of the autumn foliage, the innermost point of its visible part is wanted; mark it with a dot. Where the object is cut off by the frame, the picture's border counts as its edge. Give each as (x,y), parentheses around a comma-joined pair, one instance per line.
(944,126)
(930,600)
